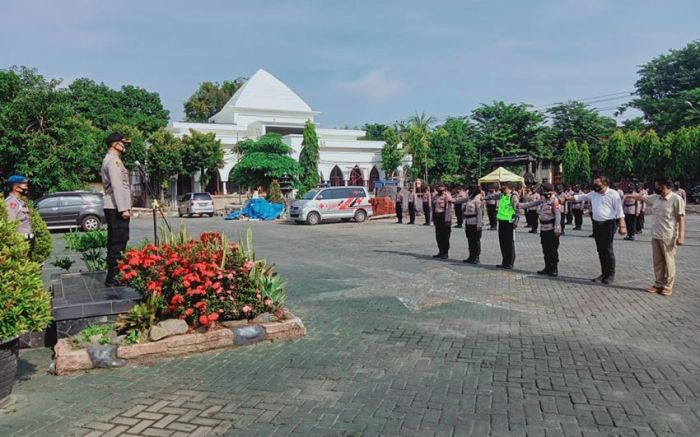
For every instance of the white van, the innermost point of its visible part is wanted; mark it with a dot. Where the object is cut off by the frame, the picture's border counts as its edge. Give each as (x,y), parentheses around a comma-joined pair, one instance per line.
(332,203)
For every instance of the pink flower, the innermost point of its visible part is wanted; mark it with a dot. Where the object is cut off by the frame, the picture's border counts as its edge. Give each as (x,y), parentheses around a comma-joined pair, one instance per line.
(248,266)
(267,302)
(247,309)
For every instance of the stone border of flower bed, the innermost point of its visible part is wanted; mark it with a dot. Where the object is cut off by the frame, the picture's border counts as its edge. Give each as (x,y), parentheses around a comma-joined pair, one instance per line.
(233,334)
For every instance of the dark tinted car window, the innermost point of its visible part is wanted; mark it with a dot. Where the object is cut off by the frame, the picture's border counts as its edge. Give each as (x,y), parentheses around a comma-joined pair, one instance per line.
(49,202)
(71,200)
(202,196)
(186,197)
(340,193)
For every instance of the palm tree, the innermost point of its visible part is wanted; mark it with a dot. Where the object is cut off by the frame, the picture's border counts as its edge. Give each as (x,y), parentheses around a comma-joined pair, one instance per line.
(422,121)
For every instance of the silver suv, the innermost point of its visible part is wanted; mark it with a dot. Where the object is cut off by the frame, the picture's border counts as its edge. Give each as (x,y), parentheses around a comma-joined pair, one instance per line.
(332,203)
(196,203)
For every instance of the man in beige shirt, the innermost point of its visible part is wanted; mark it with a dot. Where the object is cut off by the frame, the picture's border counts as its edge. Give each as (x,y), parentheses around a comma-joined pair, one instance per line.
(667,233)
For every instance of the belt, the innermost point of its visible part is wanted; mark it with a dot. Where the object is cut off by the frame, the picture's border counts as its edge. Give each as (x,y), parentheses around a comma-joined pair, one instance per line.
(470,216)
(546,222)
(603,221)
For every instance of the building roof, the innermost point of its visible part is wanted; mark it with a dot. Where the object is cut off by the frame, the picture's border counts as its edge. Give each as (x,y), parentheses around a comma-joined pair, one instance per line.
(262,91)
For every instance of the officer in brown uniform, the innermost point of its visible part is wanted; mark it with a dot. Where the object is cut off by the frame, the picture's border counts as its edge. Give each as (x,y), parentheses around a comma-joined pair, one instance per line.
(17,209)
(411,206)
(472,207)
(550,218)
(491,209)
(442,219)
(423,193)
(531,213)
(117,202)
(576,207)
(399,205)
(631,208)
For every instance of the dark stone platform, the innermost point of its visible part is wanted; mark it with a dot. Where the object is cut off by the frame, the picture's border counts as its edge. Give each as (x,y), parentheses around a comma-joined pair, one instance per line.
(79,300)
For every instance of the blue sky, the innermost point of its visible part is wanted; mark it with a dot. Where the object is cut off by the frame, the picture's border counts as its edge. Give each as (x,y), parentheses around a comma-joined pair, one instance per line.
(355,61)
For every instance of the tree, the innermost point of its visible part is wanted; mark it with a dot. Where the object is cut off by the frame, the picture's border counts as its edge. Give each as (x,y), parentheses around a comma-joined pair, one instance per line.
(374,131)
(201,152)
(585,164)
(275,193)
(105,107)
(263,160)
(443,155)
(463,135)
(620,157)
(576,121)
(392,155)
(422,121)
(510,129)
(210,98)
(666,83)
(418,145)
(164,157)
(571,161)
(309,156)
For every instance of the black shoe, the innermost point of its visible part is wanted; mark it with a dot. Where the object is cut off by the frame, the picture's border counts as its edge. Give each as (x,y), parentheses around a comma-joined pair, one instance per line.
(443,256)
(609,280)
(553,273)
(399,223)
(437,255)
(543,272)
(426,224)
(600,278)
(457,226)
(475,261)
(591,236)
(468,261)
(577,229)
(502,266)
(411,223)
(532,232)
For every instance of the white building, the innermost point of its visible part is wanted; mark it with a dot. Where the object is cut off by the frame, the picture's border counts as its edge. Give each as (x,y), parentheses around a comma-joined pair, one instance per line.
(264,105)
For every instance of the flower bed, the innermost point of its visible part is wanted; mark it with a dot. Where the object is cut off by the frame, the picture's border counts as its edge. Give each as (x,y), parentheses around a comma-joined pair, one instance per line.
(198,294)
(69,359)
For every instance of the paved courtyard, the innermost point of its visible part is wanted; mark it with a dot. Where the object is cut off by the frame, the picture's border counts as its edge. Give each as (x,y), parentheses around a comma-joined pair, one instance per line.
(400,344)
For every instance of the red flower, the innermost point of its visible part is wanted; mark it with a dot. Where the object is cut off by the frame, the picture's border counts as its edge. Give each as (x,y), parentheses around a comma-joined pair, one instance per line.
(213,317)
(203,320)
(177,300)
(189,311)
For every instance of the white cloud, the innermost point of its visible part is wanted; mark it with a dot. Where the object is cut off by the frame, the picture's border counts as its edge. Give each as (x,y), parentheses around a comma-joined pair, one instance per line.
(376,85)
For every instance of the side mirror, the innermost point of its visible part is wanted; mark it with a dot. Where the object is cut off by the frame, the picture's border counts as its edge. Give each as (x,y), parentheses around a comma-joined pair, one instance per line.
(319,197)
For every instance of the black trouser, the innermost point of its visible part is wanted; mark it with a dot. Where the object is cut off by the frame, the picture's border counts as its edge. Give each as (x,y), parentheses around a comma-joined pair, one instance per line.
(399,211)
(411,212)
(550,249)
(531,217)
(505,240)
(631,223)
(117,237)
(442,232)
(640,222)
(473,240)
(563,226)
(459,213)
(569,217)
(426,211)
(578,217)
(604,234)
(491,210)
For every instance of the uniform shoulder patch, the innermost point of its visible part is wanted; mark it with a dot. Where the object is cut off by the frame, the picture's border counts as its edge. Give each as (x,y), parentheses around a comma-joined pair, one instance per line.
(118,162)
(12,205)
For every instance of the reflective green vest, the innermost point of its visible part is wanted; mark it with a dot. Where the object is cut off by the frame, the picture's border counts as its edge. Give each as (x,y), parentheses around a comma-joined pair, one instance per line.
(505,207)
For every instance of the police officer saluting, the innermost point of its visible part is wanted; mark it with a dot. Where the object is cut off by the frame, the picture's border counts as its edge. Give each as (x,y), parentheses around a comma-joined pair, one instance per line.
(550,218)
(117,202)
(17,209)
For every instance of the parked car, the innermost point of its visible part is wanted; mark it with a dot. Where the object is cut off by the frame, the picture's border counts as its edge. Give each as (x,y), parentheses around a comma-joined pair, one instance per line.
(196,203)
(332,203)
(74,209)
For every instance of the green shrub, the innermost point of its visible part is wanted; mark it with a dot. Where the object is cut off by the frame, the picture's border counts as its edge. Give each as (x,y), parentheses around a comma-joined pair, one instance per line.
(63,262)
(141,317)
(24,304)
(275,192)
(91,246)
(101,330)
(42,237)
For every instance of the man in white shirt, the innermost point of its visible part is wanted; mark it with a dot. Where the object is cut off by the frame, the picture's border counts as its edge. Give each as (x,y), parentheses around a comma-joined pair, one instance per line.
(606,205)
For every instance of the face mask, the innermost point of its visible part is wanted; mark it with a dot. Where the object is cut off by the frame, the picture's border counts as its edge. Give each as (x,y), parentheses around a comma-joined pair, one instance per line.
(597,188)
(658,190)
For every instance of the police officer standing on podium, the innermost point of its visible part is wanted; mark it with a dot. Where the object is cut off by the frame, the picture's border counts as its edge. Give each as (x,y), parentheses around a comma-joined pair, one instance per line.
(117,202)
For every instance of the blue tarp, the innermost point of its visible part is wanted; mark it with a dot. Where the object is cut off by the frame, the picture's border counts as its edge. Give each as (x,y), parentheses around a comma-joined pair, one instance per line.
(258,209)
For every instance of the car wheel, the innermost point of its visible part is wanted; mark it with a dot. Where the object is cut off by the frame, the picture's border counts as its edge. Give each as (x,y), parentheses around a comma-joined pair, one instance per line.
(211,214)
(90,223)
(360,215)
(313,218)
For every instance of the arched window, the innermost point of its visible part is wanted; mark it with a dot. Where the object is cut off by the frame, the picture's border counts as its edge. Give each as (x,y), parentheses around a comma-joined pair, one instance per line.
(336,178)
(373,177)
(356,177)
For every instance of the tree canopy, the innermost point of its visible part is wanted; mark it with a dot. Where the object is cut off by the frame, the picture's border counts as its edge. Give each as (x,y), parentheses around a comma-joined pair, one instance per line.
(264,160)
(309,156)
(392,154)
(210,98)
(201,152)
(575,121)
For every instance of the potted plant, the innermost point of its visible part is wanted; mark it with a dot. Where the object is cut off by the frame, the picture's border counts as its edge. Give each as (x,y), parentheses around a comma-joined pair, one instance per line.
(24,304)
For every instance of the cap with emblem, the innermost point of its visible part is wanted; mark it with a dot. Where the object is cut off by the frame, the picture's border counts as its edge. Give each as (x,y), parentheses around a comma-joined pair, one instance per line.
(17,179)
(113,138)
(547,187)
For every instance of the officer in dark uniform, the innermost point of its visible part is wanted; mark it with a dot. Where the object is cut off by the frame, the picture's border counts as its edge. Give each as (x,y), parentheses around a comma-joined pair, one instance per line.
(117,202)
(17,209)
